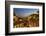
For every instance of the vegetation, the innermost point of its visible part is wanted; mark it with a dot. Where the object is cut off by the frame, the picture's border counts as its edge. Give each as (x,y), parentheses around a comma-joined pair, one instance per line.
(30,21)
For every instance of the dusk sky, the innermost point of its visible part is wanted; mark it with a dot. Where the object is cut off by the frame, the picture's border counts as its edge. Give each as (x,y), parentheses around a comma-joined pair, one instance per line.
(24,12)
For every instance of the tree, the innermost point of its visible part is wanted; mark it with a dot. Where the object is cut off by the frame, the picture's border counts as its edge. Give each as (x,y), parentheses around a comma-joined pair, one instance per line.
(14,13)
(38,11)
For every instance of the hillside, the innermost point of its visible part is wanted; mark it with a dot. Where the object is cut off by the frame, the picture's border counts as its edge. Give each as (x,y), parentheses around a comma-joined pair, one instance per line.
(30,21)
